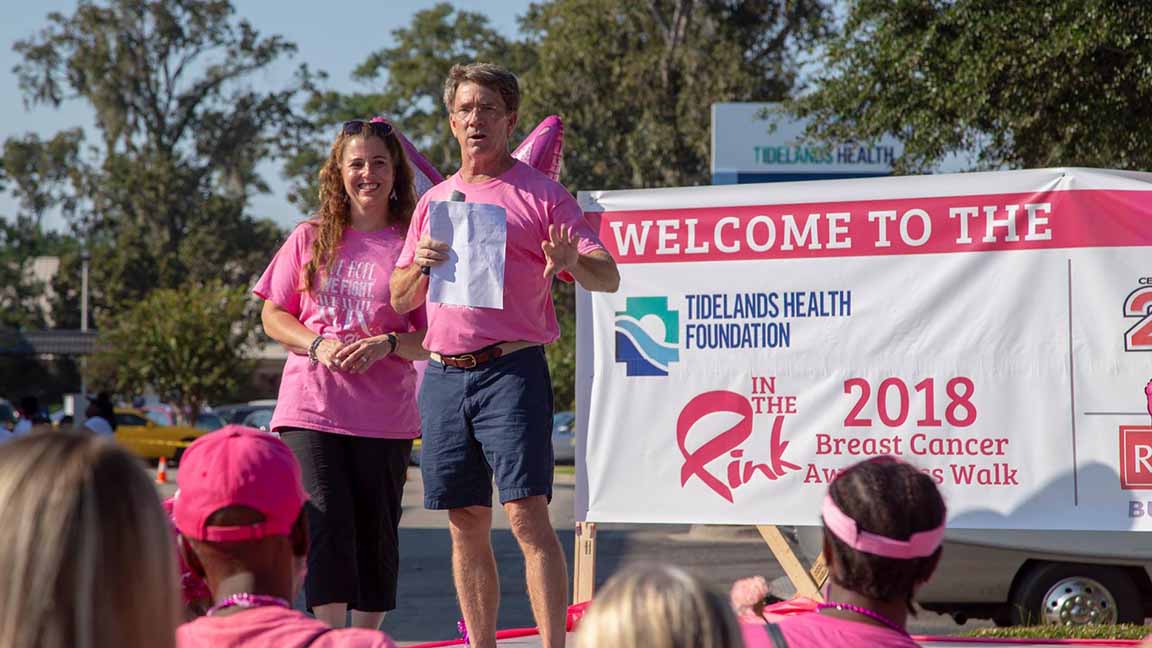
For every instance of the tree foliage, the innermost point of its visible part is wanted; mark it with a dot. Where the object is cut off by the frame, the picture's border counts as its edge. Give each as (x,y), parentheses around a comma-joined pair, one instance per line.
(161,195)
(407,85)
(634,82)
(189,345)
(1026,84)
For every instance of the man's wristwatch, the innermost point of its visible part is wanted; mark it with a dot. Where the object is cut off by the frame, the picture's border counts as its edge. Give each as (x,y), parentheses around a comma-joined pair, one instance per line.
(392,342)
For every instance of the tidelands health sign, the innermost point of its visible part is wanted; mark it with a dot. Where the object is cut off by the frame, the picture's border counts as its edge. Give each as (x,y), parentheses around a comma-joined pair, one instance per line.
(760,142)
(994,329)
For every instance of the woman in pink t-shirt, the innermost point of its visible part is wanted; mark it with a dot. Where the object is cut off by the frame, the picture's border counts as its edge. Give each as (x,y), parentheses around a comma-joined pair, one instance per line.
(883,524)
(347,403)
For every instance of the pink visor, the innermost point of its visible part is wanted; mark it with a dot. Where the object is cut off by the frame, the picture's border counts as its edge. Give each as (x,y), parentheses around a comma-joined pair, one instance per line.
(920,545)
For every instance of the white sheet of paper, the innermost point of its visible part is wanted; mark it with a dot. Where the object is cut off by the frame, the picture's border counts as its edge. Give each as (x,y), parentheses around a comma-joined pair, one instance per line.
(473,275)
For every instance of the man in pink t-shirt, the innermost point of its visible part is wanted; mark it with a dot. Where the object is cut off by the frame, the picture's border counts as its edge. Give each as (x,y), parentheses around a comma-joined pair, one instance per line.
(486,399)
(240,512)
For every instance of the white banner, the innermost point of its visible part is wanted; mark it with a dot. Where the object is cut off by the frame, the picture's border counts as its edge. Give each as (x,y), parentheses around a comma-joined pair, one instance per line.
(993,329)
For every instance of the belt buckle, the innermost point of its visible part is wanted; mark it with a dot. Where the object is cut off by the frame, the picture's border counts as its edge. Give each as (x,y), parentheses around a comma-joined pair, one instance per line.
(468,358)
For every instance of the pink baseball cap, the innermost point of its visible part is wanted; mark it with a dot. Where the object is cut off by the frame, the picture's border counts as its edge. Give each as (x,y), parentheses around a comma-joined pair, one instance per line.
(238,466)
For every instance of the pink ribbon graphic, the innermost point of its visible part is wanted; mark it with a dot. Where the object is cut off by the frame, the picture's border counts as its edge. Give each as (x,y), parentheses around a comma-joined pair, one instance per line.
(696,409)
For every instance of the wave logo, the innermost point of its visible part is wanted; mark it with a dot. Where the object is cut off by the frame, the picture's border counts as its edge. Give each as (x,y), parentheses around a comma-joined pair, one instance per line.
(647,336)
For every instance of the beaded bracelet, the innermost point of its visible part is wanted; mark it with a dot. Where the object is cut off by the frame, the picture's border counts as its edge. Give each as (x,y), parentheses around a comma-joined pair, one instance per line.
(312,348)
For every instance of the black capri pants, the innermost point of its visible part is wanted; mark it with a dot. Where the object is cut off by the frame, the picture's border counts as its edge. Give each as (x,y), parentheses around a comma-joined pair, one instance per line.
(355,485)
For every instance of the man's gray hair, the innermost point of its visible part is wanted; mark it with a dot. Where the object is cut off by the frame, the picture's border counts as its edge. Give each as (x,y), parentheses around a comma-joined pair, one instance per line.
(488,75)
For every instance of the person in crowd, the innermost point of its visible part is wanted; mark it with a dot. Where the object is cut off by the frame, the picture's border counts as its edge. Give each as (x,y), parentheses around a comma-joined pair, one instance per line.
(657,606)
(486,398)
(84,548)
(347,402)
(95,422)
(244,530)
(106,409)
(883,525)
(30,415)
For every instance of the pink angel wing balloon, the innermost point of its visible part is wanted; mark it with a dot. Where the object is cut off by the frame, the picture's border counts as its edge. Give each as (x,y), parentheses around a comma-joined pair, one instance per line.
(544,147)
(424,175)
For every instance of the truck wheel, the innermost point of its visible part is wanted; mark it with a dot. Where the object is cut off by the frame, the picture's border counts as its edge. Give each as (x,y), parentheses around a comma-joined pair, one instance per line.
(1054,593)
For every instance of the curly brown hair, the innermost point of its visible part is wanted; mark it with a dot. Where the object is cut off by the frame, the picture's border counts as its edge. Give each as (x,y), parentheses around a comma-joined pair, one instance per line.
(334,217)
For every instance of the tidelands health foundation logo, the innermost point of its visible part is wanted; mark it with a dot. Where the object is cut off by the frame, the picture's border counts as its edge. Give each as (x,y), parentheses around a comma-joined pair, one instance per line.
(647,336)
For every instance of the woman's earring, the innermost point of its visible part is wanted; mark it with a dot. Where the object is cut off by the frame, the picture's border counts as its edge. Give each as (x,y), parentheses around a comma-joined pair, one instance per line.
(393,196)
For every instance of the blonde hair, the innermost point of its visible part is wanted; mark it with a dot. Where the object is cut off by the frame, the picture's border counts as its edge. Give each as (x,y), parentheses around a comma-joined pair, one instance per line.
(334,215)
(85,548)
(656,606)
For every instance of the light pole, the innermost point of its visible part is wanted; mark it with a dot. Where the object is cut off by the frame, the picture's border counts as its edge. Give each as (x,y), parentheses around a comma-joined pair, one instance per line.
(84,258)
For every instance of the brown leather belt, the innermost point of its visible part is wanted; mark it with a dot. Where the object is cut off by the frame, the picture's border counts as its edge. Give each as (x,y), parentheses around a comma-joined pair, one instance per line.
(477,358)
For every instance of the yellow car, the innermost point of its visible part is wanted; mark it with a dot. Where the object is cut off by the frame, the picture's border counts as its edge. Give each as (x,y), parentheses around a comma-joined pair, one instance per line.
(143,436)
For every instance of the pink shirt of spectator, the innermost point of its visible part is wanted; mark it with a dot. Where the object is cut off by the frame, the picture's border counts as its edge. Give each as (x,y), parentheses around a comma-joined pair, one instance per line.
(353,302)
(532,201)
(274,626)
(812,630)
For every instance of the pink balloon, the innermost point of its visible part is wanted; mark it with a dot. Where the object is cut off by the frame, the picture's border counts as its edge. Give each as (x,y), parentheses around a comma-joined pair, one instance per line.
(1148,393)
(544,147)
(424,175)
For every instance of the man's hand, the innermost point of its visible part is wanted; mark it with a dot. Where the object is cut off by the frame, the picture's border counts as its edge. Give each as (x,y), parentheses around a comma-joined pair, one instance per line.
(430,253)
(560,249)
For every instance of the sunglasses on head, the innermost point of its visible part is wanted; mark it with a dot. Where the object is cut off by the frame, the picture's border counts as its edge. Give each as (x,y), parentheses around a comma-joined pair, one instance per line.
(377,125)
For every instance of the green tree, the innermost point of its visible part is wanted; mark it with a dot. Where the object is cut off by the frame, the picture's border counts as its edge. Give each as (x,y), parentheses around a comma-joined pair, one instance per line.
(190,346)
(409,77)
(161,195)
(1014,84)
(634,82)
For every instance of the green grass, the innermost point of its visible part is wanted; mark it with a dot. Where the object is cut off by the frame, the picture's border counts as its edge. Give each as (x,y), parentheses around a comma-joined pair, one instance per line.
(1065,632)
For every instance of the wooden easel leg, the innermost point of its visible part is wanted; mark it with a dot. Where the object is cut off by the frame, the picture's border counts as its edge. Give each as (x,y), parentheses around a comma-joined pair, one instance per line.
(806,583)
(584,563)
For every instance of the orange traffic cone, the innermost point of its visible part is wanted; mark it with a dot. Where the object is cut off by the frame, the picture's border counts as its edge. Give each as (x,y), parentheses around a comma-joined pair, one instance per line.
(162,471)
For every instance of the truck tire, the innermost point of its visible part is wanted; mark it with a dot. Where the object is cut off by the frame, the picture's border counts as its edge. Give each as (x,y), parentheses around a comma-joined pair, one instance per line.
(1058,593)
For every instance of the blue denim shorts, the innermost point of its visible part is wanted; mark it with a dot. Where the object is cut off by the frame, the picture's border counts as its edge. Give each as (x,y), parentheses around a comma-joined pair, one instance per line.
(494,421)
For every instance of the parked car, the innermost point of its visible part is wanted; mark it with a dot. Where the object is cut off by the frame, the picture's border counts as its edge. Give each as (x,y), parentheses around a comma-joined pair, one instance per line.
(1035,577)
(165,415)
(563,439)
(147,438)
(257,414)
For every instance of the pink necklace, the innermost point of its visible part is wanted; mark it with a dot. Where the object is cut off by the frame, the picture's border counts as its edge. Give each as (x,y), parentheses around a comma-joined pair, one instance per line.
(246,600)
(862,611)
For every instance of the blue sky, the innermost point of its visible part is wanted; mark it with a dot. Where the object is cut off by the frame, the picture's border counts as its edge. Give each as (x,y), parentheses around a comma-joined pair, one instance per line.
(333,36)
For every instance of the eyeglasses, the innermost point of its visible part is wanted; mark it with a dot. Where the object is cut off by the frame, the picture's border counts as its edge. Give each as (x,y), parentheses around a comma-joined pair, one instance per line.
(377,125)
(485,111)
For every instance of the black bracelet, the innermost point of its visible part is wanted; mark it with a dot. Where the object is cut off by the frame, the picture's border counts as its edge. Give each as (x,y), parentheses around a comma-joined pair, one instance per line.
(312,348)
(425,270)
(392,342)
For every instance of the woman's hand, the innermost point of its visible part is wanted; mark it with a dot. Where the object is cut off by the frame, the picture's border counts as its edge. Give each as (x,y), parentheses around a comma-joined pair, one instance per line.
(327,352)
(359,356)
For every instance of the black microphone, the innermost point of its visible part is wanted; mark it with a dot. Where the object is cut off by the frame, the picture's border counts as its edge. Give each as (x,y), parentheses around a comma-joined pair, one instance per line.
(457,196)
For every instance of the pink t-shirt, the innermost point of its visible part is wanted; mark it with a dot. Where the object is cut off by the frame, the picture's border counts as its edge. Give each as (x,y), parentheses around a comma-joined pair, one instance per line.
(274,626)
(531,201)
(814,630)
(354,302)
